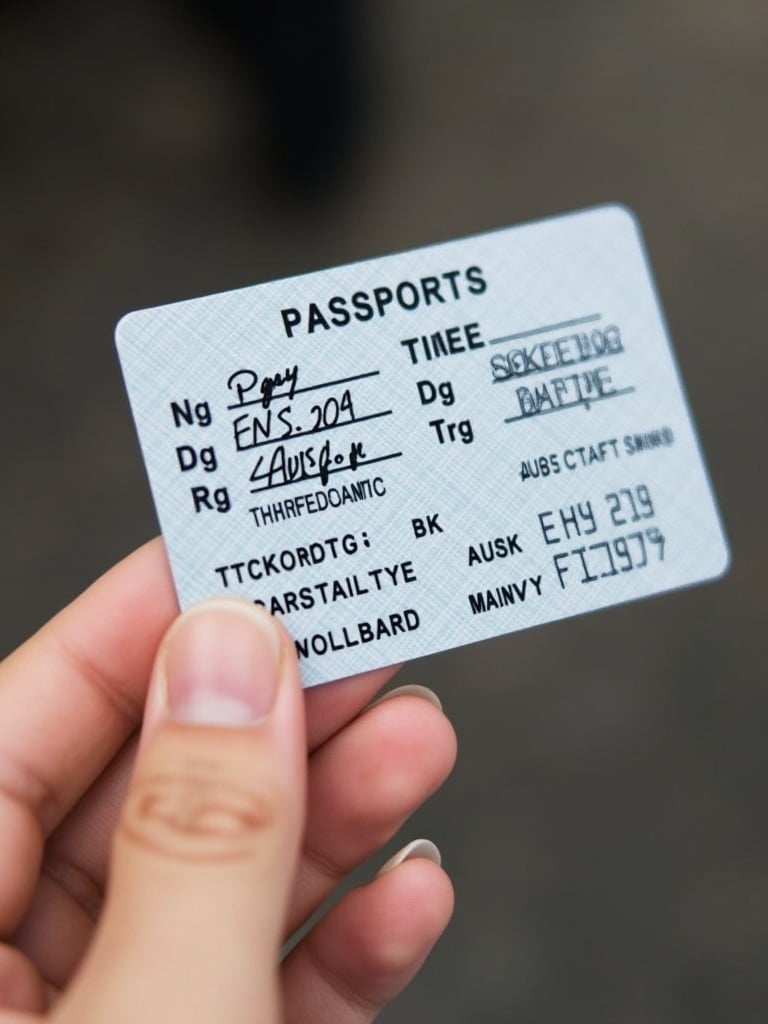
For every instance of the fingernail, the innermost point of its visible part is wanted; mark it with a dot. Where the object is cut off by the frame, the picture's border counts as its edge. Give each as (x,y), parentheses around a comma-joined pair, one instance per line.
(219,665)
(423,848)
(409,690)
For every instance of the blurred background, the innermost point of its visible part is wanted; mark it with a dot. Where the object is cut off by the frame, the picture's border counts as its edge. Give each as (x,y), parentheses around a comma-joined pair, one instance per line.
(606,825)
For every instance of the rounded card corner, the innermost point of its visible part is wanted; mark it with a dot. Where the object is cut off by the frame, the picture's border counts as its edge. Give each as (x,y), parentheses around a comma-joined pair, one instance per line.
(122,327)
(724,565)
(625,213)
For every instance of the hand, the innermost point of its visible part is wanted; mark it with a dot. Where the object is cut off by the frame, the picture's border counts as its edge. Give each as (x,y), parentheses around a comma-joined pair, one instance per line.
(229,837)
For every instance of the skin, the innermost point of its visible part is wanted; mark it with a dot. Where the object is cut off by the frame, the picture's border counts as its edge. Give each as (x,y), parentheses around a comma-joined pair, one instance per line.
(195,913)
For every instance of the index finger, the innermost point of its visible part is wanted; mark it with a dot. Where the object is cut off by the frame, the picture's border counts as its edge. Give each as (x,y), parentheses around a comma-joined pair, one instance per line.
(74,692)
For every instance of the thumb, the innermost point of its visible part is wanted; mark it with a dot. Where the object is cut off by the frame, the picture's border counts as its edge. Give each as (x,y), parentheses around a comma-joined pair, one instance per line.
(204,854)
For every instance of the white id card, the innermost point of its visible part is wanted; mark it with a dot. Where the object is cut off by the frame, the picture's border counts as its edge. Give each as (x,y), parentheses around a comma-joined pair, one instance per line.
(423,450)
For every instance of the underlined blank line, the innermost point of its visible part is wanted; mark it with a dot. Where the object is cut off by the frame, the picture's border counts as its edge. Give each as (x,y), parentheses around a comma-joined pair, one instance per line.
(302,435)
(571,405)
(316,476)
(301,391)
(546,329)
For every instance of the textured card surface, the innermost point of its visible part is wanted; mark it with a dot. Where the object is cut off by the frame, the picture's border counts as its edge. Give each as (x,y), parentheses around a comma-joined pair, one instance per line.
(424,450)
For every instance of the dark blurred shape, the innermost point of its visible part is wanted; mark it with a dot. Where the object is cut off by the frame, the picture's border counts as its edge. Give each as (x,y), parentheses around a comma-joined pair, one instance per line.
(305,59)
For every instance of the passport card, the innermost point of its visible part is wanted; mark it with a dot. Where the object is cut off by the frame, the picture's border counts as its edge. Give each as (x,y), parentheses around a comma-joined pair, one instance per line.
(423,450)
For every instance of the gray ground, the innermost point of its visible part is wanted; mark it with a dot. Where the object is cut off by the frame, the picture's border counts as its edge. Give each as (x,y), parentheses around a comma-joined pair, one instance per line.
(606,824)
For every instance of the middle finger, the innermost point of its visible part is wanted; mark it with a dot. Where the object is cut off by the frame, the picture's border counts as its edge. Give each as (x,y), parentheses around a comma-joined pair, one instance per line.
(362,785)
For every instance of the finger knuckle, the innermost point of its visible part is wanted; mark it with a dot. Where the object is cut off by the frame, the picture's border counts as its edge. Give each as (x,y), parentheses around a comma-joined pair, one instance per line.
(198,815)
